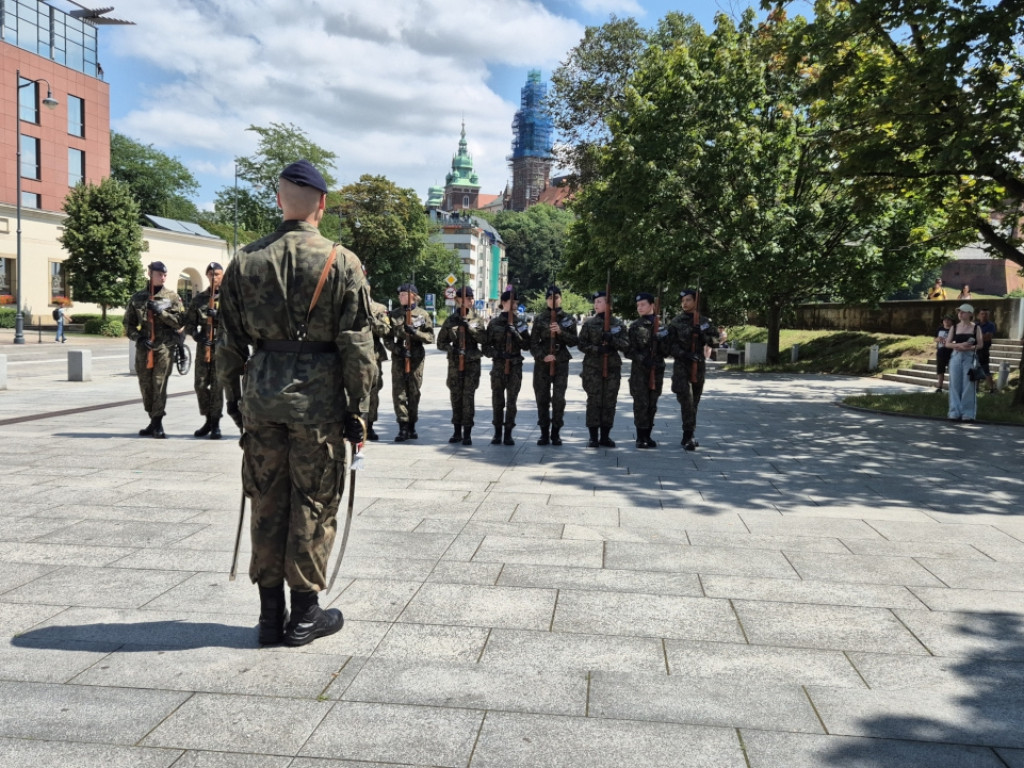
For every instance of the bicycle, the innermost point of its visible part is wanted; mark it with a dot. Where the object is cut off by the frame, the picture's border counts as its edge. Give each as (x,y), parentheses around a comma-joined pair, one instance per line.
(181,355)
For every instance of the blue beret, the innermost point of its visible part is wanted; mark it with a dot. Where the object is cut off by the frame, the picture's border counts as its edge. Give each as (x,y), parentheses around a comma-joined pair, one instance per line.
(644,297)
(157,266)
(553,290)
(213,265)
(464,293)
(598,295)
(305,175)
(506,295)
(687,292)
(408,288)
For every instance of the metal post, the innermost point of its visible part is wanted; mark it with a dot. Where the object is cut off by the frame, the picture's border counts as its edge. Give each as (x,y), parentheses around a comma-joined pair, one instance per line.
(19,318)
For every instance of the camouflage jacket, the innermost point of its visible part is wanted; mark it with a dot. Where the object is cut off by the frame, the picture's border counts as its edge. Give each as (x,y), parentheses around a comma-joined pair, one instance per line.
(423,333)
(594,347)
(166,323)
(265,296)
(644,348)
(195,321)
(448,337)
(682,339)
(506,342)
(380,325)
(540,336)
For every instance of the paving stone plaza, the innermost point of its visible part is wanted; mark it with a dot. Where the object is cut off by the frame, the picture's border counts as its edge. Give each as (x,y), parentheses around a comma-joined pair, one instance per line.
(815,586)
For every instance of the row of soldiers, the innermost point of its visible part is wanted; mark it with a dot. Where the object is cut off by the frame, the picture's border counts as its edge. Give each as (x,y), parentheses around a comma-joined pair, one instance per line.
(603,338)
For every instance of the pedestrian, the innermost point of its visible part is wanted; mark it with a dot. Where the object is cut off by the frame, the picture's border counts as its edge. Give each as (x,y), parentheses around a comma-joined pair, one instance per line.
(506,338)
(937,293)
(647,373)
(461,336)
(152,319)
(60,314)
(689,333)
(988,332)
(380,325)
(553,333)
(411,328)
(602,339)
(942,353)
(300,305)
(201,324)
(965,293)
(964,340)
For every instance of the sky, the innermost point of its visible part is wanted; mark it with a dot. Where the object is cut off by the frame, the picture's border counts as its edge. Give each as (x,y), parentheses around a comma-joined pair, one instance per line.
(384,84)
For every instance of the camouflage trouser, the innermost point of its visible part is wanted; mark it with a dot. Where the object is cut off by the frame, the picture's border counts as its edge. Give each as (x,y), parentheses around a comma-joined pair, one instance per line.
(153,381)
(645,399)
(209,391)
(378,385)
(550,392)
(462,391)
(505,392)
(295,475)
(602,394)
(405,389)
(688,394)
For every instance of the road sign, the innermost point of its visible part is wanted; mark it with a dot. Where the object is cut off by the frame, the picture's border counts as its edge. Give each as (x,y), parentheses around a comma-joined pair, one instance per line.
(428,301)
(449,293)
(451,280)
(478,304)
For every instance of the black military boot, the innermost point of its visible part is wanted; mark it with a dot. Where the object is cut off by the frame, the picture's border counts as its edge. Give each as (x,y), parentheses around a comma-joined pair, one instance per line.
(496,440)
(556,439)
(456,435)
(688,442)
(158,429)
(467,432)
(370,434)
(273,615)
(412,431)
(544,433)
(147,431)
(508,437)
(403,432)
(641,437)
(215,428)
(309,621)
(593,438)
(606,440)
(204,430)
(650,440)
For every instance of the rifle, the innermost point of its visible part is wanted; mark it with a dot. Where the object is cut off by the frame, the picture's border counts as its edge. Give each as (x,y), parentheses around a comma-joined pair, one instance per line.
(462,326)
(408,338)
(511,320)
(694,336)
(607,321)
(653,380)
(551,338)
(209,325)
(152,327)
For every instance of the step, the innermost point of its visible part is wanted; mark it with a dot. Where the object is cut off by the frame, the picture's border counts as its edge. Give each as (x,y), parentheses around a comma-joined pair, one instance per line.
(919,381)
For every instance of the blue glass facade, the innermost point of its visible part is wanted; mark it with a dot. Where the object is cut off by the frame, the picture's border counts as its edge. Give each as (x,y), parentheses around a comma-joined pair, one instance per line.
(34,26)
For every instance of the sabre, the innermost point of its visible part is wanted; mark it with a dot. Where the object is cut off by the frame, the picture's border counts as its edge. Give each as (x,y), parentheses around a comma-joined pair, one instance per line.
(356,463)
(238,539)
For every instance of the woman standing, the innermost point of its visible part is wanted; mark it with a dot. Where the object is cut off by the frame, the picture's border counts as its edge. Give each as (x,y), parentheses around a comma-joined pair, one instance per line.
(965,293)
(964,339)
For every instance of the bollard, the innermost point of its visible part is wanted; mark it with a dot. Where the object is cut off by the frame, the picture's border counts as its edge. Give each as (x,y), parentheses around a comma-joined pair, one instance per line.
(79,365)
(1004,375)
(873,358)
(794,353)
(3,371)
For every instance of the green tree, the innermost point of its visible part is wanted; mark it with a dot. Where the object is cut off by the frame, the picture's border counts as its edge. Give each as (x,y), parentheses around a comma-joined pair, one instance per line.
(103,238)
(533,244)
(716,171)
(434,263)
(161,184)
(253,218)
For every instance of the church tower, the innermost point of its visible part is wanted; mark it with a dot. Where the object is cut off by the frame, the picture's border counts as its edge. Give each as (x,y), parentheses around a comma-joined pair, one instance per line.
(462,185)
(531,157)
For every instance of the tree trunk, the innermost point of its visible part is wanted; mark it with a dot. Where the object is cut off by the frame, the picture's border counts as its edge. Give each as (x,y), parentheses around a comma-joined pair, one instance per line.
(774,321)
(103,308)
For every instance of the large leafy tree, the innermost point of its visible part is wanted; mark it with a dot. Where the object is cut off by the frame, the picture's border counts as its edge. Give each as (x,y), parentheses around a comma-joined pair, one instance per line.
(533,244)
(716,171)
(161,184)
(103,238)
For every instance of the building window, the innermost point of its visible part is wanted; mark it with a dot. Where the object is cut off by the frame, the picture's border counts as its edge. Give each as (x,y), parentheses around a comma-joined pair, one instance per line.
(465,201)
(31,200)
(58,283)
(35,26)
(8,282)
(76,116)
(28,101)
(76,166)
(29,157)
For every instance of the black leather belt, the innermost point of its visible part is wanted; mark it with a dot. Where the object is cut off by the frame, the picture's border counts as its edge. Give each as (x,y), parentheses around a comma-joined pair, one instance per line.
(307,347)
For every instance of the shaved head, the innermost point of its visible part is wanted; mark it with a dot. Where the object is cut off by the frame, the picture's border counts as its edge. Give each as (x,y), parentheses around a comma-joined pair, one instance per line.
(298,202)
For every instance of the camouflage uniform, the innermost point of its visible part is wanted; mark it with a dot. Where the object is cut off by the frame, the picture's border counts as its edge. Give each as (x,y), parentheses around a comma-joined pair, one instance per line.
(462,385)
(380,324)
(294,402)
(405,387)
(686,346)
(547,388)
(505,343)
(647,353)
(153,381)
(602,391)
(209,391)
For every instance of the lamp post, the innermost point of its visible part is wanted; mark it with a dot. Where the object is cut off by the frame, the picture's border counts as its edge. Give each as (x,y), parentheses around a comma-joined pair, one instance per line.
(49,102)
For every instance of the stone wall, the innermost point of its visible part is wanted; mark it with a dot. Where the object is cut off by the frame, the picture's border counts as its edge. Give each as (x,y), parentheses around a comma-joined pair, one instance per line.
(913,318)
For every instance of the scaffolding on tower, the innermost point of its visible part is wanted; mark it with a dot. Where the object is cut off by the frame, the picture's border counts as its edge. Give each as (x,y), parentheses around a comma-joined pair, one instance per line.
(532,158)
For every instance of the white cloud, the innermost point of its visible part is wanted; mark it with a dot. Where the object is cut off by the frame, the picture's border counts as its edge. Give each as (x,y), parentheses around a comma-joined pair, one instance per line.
(385,84)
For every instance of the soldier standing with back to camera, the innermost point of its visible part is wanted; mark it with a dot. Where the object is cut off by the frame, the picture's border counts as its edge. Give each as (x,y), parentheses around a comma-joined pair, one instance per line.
(688,334)
(647,345)
(301,304)
(411,328)
(553,333)
(506,339)
(602,368)
(460,336)
(152,320)
(202,325)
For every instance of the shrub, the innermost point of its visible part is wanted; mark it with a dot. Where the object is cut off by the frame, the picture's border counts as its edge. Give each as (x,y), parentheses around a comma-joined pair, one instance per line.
(7,315)
(112,327)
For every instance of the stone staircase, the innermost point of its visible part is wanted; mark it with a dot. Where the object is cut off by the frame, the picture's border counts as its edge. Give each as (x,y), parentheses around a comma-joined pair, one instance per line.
(923,374)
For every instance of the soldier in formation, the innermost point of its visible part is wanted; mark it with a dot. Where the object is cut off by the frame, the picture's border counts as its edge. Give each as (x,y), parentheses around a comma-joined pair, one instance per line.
(688,335)
(152,320)
(506,338)
(201,324)
(647,346)
(411,328)
(300,305)
(380,325)
(554,332)
(601,339)
(461,337)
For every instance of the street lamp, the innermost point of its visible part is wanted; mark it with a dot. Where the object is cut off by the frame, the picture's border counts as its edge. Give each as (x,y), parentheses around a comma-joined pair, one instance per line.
(49,102)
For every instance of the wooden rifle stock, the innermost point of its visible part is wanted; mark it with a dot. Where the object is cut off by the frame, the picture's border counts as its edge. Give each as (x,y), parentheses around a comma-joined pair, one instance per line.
(551,339)
(653,379)
(694,336)
(209,326)
(607,321)
(152,328)
(408,337)
(511,319)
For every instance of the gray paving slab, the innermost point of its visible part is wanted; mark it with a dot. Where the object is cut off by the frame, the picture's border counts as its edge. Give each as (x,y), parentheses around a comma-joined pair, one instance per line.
(432,642)
(374,599)
(466,605)
(517,649)
(32,753)
(970,600)
(198,759)
(964,673)
(517,549)
(817,592)
(23,661)
(975,574)
(95,587)
(64,554)
(701,538)
(600,579)
(680,558)
(862,569)
(1014,758)
(993,635)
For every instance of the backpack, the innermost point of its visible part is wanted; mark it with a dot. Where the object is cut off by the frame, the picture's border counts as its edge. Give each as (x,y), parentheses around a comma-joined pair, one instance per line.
(56,313)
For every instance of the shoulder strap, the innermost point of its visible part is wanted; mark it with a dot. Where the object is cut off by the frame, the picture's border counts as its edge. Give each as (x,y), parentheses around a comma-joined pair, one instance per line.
(320,284)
